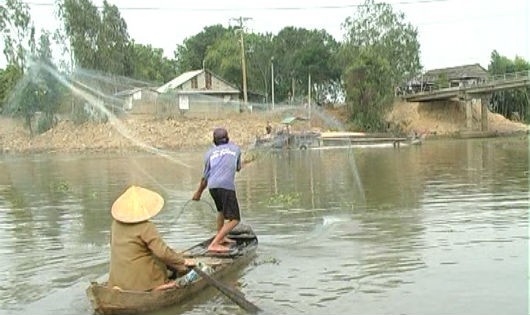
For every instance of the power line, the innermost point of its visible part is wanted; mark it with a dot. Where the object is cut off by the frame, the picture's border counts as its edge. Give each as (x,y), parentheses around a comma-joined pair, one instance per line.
(290,8)
(225,9)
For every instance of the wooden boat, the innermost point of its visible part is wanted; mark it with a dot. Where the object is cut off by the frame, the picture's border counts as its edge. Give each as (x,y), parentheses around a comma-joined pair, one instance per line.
(106,300)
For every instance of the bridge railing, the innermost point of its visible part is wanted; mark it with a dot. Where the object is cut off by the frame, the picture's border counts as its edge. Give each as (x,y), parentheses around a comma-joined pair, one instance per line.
(510,76)
(432,87)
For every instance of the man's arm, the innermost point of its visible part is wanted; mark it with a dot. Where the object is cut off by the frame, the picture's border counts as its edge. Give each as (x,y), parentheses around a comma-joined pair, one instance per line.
(202,186)
(238,163)
(246,158)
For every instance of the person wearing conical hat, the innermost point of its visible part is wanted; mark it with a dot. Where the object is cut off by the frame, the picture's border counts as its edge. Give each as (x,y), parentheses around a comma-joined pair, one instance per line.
(221,163)
(139,257)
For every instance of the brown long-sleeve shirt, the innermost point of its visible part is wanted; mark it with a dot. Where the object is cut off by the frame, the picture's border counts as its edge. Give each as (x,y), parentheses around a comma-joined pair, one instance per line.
(138,256)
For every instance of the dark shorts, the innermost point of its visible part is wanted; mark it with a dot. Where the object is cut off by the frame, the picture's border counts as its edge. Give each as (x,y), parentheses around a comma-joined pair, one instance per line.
(226,202)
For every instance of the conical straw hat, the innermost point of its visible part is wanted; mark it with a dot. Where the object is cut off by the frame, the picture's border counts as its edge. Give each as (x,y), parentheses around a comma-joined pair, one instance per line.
(137,204)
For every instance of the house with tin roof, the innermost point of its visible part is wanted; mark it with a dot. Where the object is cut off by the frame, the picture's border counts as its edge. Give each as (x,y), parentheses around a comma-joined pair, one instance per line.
(201,91)
(456,76)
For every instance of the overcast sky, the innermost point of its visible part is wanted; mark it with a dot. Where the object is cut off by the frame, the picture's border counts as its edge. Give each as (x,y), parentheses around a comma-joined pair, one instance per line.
(451,32)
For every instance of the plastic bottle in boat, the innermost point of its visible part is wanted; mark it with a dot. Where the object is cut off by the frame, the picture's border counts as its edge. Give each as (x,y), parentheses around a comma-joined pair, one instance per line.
(192,275)
(189,277)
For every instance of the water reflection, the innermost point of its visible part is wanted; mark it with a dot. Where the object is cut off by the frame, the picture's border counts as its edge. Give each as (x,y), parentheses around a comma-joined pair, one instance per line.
(374,233)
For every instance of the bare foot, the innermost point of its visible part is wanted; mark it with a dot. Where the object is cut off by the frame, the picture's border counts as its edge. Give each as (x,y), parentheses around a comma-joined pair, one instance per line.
(227,240)
(218,248)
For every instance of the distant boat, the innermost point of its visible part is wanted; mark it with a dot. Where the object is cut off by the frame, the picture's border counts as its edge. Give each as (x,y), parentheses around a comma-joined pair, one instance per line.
(417,139)
(360,139)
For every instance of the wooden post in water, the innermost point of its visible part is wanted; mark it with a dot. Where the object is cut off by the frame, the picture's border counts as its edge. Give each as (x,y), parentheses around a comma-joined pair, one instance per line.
(468,103)
(484,101)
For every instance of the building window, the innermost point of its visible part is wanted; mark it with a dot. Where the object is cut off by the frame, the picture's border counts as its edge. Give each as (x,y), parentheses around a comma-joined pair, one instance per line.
(208,80)
(194,84)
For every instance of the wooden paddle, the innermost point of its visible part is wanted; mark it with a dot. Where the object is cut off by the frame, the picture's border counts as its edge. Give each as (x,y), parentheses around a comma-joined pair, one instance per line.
(231,293)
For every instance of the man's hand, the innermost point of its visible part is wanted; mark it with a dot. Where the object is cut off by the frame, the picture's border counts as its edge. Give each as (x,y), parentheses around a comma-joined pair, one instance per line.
(202,186)
(197,196)
(183,268)
(249,157)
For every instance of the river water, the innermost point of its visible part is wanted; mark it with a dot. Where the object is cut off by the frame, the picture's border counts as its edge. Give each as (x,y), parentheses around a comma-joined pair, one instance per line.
(440,228)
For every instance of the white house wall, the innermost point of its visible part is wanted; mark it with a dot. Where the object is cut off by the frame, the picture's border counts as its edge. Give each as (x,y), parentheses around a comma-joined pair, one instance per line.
(184,102)
(217,85)
(137,95)
(200,103)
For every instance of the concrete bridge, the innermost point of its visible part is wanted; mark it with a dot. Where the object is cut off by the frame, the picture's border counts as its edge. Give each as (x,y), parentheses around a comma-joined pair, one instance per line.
(467,93)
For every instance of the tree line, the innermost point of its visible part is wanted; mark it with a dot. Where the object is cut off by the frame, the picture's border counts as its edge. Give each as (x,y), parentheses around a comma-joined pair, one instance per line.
(510,103)
(379,52)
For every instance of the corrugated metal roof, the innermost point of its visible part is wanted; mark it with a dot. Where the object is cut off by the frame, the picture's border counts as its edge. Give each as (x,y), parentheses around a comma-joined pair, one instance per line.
(178,81)
(456,73)
(291,119)
(209,92)
(134,90)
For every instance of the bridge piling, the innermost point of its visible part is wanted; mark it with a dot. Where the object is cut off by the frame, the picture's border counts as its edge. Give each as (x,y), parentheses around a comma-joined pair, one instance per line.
(484,101)
(468,104)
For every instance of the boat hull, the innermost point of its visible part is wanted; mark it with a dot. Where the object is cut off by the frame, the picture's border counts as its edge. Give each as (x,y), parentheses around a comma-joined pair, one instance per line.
(106,300)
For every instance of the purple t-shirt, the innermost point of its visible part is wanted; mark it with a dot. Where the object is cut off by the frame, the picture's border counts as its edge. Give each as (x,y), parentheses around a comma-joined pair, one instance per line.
(221,164)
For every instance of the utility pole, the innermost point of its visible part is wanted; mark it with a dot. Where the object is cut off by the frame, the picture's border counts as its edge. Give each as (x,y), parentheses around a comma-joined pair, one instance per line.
(309,97)
(244,69)
(309,90)
(292,87)
(272,81)
(241,20)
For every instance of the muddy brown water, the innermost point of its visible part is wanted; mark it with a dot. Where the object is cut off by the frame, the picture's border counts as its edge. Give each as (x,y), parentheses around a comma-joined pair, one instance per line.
(440,228)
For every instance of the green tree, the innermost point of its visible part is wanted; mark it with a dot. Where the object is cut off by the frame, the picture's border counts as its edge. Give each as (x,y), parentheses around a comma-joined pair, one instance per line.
(376,33)
(370,90)
(299,52)
(18,32)
(258,54)
(38,90)
(98,41)
(376,25)
(296,52)
(49,88)
(82,24)
(8,80)
(44,50)
(223,57)
(510,102)
(192,53)
(113,42)
(149,64)
(500,65)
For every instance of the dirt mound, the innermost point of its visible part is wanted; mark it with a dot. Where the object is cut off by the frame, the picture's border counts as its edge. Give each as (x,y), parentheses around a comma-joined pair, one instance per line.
(446,118)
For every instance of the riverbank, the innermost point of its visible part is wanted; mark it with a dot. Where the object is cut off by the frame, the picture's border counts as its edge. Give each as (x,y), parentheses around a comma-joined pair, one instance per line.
(130,134)
(189,133)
